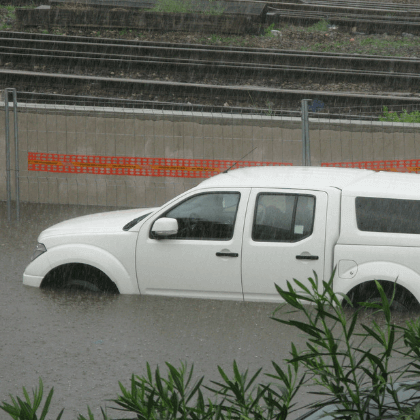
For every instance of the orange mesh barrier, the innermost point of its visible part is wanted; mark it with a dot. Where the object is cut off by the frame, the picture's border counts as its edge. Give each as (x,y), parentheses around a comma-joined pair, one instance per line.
(409,165)
(134,166)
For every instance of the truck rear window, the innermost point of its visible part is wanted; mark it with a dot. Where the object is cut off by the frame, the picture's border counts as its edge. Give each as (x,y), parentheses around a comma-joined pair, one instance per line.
(388,215)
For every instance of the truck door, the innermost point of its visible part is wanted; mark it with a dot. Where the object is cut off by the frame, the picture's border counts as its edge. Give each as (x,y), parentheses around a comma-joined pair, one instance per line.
(284,238)
(204,258)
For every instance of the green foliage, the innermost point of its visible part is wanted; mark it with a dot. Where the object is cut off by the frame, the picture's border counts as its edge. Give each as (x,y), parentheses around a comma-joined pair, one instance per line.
(9,14)
(188,6)
(269,111)
(25,409)
(91,416)
(353,368)
(176,396)
(10,11)
(243,399)
(317,47)
(328,47)
(173,6)
(383,43)
(412,117)
(368,45)
(414,414)
(216,39)
(214,8)
(155,397)
(267,31)
(321,26)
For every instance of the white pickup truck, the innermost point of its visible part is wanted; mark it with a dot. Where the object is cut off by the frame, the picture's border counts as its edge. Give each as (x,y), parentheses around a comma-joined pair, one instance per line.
(237,234)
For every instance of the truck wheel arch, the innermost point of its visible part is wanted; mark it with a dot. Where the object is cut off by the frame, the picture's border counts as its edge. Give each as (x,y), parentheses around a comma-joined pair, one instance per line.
(99,259)
(406,280)
(367,291)
(79,276)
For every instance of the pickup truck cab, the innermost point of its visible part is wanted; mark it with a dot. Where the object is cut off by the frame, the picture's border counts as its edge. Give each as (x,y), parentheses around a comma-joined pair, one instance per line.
(237,234)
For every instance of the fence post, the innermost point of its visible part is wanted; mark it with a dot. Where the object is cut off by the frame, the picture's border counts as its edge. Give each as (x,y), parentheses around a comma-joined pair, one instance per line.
(16,144)
(306,149)
(15,118)
(7,139)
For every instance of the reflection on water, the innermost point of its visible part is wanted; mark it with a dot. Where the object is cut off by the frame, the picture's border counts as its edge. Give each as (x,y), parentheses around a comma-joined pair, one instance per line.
(80,298)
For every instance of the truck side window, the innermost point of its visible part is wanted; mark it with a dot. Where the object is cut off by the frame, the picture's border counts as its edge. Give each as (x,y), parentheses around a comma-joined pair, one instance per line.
(206,216)
(283,217)
(388,215)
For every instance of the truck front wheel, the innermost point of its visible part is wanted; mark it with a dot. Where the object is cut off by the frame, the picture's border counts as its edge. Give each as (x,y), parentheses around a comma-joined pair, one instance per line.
(79,277)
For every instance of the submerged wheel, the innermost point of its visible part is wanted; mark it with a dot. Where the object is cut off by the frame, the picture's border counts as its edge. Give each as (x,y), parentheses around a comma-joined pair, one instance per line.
(368,292)
(79,277)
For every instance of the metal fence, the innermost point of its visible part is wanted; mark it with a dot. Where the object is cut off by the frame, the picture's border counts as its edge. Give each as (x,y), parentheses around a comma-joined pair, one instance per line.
(367,142)
(131,157)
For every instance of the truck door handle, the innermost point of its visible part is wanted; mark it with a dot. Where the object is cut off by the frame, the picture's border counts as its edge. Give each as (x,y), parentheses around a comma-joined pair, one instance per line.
(226,254)
(307,257)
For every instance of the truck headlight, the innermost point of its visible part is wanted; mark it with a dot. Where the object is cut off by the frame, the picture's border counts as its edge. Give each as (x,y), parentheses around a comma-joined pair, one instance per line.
(40,249)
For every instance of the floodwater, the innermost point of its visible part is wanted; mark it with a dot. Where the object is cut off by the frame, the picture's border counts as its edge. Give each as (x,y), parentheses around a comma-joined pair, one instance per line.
(83,344)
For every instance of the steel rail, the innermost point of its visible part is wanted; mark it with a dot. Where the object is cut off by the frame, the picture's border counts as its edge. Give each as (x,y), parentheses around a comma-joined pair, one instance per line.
(356,4)
(176,55)
(389,7)
(370,23)
(343,5)
(385,18)
(68,101)
(227,71)
(347,9)
(163,49)
(200,93)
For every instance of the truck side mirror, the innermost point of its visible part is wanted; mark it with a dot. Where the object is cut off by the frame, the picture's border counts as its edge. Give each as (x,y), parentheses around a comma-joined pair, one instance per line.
(165,226)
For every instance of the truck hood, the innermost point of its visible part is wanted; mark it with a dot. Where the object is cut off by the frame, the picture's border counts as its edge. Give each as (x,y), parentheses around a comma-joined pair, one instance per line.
(112,221)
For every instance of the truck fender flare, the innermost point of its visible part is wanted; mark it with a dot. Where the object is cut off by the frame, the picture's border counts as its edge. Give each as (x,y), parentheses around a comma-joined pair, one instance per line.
(381,270)
(95,257)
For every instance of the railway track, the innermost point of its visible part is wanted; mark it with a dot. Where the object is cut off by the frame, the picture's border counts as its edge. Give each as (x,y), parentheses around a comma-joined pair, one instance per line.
(83,51)
(371,17)
(191,93)
(94,60)
(369,23)
(409,7)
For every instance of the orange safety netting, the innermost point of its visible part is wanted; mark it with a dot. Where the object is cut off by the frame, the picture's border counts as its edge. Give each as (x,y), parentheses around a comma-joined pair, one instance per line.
(409,165)
(134,166)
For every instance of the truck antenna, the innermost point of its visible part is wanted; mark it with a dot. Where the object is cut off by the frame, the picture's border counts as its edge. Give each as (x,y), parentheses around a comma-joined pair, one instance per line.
(243,157)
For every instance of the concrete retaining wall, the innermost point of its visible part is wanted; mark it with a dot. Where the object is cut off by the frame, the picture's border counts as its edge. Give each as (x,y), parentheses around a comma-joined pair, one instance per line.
(179,135)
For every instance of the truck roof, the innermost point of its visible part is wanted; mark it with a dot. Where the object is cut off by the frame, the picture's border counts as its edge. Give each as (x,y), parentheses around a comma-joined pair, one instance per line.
(386,185)
(352,181)
(308,177)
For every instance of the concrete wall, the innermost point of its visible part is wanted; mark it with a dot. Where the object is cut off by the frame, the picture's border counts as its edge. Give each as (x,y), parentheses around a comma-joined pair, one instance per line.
(181,135)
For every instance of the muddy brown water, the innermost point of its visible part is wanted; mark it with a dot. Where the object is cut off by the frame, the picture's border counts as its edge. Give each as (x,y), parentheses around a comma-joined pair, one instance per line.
(83,344)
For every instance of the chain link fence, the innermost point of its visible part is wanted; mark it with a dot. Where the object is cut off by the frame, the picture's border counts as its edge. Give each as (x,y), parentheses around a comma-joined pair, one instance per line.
(371,140)
(130,157)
